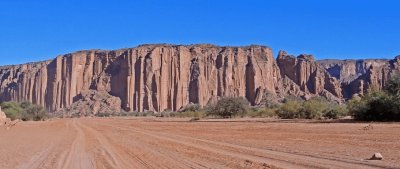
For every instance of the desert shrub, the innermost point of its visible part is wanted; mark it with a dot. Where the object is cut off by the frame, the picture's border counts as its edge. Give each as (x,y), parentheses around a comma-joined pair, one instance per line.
(191,108)
(193,114)
(292,98)
(262,112)
(270,100)
(25,111)
(147,113)
(103,114)
(375,106)
(378,105)
(12,110)
(133,113)
(194,119)
(335,111)
(32,112)
(314,108)
(393,86)
(290,110)
(357,105)
(165,113)
(228,107)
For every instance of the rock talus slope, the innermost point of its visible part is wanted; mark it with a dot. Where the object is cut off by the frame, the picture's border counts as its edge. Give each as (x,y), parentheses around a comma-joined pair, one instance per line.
(160,77)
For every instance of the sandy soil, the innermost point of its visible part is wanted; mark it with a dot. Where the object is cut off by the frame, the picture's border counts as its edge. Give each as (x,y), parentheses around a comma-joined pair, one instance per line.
(177,143)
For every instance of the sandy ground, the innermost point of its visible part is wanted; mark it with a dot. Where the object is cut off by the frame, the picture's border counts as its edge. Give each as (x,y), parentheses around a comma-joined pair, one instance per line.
(176,143)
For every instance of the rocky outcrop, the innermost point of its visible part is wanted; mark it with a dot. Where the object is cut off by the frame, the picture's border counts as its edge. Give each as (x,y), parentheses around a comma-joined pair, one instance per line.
(160,77)
(3,118)
(92,102)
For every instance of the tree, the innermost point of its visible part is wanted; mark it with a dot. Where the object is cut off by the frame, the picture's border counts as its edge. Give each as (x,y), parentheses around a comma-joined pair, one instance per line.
(12,110)
(33,112)
(393,86)
(228,107)
(375,106)
(315,108)
(24,111)
(291,109)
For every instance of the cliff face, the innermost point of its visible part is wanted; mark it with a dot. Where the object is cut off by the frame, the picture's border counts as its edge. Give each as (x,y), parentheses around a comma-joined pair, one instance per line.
(309,75)
(358,76)
(159,77)
(149,77)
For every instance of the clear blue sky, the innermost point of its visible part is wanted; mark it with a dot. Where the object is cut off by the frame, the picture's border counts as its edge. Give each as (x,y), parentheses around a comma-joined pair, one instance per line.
(42,29)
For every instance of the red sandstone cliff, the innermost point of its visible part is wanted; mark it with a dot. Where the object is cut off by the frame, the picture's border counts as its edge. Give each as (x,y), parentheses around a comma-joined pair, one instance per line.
(148,77)
(159,77)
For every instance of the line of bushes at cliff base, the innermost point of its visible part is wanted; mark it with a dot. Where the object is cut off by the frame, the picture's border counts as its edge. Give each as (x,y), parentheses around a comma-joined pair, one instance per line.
(25,111)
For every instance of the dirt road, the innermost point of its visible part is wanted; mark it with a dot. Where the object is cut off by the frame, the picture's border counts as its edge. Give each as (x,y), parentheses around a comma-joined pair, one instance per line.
(176,143)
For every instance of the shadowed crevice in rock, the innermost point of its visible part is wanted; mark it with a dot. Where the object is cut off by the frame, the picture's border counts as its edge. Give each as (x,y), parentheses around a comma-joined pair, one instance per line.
(194,81)
(250,76)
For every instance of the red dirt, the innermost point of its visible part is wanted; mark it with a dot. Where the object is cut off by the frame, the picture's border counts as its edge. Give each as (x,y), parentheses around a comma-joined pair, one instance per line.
(177,143)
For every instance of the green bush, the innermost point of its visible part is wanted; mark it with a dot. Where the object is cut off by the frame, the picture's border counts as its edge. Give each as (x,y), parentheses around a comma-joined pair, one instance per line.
(193,114)
(290,110)
(12,110)
(25,111)
(32,112)
(375,106)
(335,111)
(262,112)
(270,100)
(378,105)
(165,113)
(314,108)
(133,113)
(100,114)
(393,86)
(191,108)
(228,107)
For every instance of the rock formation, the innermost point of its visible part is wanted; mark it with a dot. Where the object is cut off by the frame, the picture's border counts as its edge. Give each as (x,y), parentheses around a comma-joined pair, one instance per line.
(92,102)
(358,76)
(3,118)
(309,75)
(2,115)
(160,77)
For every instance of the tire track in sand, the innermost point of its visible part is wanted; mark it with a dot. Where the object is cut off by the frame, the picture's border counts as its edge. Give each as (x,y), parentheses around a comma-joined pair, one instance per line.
(38,160)
(107,155)
(77,156)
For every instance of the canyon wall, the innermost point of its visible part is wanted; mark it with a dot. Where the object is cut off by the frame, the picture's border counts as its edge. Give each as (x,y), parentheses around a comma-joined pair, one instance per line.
(160,77)
(359,76)
(148,77)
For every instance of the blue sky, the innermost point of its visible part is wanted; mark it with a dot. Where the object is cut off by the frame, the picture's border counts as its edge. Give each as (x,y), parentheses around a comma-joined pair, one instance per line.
(339,29)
